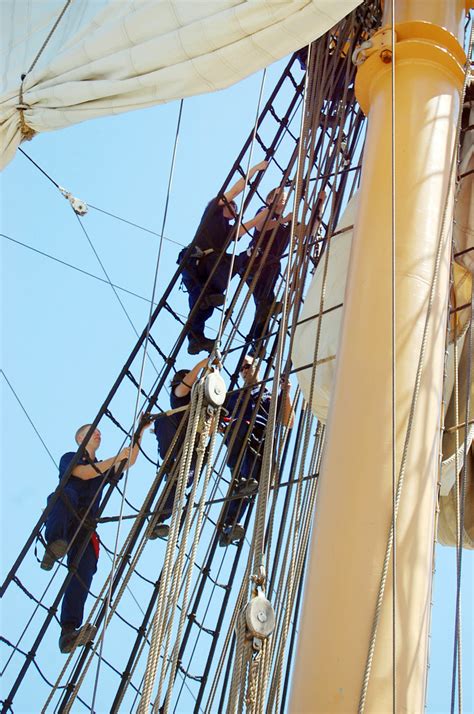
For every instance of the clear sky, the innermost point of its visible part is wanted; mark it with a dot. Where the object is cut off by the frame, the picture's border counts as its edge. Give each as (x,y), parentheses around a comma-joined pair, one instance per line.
(65,336)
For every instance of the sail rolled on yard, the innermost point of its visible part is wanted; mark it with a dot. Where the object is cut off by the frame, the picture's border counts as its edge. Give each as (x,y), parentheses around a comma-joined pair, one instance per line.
(106,57)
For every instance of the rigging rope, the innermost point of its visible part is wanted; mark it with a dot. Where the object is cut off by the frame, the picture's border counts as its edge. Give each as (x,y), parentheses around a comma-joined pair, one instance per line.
(74,267)
(393,355)
(26,131)
(461,488)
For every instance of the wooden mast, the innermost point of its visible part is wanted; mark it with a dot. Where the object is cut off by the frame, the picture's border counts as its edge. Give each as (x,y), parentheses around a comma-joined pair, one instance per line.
(354,509)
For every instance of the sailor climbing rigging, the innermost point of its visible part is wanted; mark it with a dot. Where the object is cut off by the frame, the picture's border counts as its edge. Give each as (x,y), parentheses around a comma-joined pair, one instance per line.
(70,527)
(165,429)
(208,260)
(247,419)
(269,242)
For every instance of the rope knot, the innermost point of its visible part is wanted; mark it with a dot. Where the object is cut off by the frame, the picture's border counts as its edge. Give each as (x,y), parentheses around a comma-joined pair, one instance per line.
(27,133)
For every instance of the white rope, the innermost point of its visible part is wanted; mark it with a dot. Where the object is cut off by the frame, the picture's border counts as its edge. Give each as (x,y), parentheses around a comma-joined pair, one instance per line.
(160,617)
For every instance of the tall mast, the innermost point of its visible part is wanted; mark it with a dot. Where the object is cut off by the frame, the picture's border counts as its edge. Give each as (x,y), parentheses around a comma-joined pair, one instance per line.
(368,428)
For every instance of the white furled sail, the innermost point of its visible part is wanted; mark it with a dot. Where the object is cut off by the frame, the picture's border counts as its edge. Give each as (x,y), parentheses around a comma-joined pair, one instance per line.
(305,343)
(107,57)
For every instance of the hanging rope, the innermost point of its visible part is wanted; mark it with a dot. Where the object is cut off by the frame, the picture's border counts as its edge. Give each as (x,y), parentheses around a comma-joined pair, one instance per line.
(166,592)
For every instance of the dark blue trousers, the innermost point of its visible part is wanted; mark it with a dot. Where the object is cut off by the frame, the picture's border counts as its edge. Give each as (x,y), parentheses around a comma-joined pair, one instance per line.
(168,504)
(264,289)
(62,524)
(250,467)
(194,277)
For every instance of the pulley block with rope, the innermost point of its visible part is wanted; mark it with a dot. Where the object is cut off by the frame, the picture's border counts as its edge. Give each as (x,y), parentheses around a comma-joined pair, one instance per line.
(259,617)
(77,204)
(215,390)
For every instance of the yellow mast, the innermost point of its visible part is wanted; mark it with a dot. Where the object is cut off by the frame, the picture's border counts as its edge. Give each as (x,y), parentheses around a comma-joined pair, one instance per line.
(354,510)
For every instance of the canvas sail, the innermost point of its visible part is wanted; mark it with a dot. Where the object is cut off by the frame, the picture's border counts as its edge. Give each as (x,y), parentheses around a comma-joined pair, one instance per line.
(333,289)
(107,57)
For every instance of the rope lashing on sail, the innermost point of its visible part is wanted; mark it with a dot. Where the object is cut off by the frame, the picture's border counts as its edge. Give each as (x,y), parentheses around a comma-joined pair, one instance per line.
(419,371)
(27,132)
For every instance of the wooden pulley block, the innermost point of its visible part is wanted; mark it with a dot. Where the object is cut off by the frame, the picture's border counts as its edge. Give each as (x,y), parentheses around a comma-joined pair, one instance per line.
(214,389)
(260,617)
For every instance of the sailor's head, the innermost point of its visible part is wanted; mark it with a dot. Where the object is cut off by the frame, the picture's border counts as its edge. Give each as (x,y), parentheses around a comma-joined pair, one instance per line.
(230,210)
(280,196)
(93,441)
(178,377)
(249,370)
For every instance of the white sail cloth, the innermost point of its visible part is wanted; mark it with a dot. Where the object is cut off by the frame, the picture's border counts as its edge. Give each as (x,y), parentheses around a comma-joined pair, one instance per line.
(107,57)
(305,354)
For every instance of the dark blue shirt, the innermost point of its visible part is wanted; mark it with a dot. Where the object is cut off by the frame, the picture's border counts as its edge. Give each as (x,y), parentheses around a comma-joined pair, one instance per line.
(244,415)
(166,427)
(86,490)
(280,241)
(214,230)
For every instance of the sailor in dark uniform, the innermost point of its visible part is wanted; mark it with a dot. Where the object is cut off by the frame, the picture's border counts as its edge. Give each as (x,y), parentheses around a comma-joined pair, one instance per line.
(246,420)
(79,497)
(210,243)
(266,264)
(165,430)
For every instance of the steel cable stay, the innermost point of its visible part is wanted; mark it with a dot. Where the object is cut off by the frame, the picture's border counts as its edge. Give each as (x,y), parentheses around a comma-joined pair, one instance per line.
(460,491)
(297,269)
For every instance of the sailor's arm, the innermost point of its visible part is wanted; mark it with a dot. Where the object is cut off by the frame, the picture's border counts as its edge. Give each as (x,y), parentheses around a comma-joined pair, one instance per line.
(101,467)
(239,185)
(184,387)
(255,222)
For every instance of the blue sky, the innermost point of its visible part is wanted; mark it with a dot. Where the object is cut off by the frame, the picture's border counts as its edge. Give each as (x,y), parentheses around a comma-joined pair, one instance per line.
(65,335)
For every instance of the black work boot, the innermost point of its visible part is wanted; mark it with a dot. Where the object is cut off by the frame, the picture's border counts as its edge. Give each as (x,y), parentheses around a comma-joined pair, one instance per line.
(213,300)
(54,551)
(160,530)
(231,534)
(199,344)
(70,638)
(246,486)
